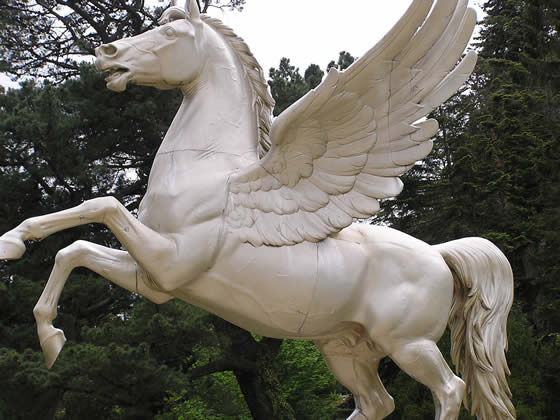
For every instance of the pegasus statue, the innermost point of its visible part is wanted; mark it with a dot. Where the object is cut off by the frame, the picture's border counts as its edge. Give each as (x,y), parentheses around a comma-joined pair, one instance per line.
(252,218)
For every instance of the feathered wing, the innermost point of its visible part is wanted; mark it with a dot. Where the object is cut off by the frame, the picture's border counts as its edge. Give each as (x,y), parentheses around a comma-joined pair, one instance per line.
(342,147)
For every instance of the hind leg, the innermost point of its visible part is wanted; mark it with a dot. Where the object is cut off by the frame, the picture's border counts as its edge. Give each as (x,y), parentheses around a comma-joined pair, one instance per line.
(423,361)
(355,366)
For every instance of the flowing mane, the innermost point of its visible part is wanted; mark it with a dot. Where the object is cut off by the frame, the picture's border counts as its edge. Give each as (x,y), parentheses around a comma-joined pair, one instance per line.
(263,101)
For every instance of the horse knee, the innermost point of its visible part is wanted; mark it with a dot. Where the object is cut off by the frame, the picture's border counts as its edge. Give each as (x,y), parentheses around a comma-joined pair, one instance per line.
(110,204)
(31,229)
(68,256)
(99,208)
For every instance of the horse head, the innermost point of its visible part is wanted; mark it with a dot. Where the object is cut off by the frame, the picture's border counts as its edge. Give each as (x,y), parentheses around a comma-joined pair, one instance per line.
(156,57)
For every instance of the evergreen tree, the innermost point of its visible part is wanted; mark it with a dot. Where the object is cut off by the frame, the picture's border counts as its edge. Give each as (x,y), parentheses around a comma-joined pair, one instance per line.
(111,141)
(494,173)
(117,342)
(345,59)
(287,85)
(47,38)
(104,154)
(313,76)
(515,147)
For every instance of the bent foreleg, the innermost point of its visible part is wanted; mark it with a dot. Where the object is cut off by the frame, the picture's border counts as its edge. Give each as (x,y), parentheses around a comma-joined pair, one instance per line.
(150,248)
(115,265)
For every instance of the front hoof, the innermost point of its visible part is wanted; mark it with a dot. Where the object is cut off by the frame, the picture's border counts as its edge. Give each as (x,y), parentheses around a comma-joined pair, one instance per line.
(11,248)
(52,345)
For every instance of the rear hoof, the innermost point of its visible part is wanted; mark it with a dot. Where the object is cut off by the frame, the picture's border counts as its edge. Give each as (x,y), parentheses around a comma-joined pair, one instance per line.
(11,248)
(52,345)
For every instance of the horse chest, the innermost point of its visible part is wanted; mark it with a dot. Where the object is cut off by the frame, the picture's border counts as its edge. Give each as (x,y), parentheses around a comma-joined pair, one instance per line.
(179,196)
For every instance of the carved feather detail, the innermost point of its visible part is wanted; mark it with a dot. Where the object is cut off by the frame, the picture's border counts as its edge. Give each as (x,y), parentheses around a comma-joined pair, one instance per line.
(342,147)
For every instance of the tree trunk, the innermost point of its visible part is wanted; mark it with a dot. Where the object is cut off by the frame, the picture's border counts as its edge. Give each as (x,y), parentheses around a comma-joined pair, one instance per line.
(259,383)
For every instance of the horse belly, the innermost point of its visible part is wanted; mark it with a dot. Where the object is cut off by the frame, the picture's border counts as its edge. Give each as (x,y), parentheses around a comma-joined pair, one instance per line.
(342,266)
(271,291)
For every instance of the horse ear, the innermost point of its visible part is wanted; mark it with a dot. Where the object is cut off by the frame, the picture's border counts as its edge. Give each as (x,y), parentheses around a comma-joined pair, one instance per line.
(191,6)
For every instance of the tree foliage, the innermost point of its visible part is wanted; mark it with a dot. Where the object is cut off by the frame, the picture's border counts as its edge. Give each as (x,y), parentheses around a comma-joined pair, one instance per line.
(288,85)
(110,141)
(345,59)
(50,38)
(494,172)
(125,357)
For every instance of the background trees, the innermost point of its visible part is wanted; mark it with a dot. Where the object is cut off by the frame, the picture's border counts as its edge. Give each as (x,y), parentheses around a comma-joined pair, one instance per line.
(42,38)
(202,366)
(494,172)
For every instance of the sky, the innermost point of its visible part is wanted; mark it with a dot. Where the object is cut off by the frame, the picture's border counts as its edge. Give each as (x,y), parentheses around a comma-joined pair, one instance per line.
(309,31)
(313,31)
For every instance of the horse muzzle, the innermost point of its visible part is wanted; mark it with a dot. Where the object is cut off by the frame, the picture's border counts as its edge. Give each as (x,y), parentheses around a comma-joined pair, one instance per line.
(119,75)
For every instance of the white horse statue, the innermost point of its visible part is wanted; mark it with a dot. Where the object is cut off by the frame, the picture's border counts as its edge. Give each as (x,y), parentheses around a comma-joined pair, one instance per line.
(252,219)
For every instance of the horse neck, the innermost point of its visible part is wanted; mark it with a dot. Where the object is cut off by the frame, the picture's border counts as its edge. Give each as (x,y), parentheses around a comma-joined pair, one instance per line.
(216,121)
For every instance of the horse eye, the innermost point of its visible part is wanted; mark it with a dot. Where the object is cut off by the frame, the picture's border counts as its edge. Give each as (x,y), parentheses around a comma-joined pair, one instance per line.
(169,32)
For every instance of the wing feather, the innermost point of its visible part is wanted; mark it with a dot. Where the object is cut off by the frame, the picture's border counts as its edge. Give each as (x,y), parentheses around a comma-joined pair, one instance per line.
(341,148)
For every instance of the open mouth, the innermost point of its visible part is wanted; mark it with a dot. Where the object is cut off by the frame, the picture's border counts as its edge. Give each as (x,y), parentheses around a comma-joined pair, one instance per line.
(118,78)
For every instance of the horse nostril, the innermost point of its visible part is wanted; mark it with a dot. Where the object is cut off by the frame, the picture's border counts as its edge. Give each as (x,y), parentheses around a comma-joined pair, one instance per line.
(108,50)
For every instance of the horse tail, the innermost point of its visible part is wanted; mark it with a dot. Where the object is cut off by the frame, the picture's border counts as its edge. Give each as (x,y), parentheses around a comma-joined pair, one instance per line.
(482,299)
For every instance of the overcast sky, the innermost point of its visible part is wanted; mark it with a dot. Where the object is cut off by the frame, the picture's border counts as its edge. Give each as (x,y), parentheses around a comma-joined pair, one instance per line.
(313,31)
(310,31)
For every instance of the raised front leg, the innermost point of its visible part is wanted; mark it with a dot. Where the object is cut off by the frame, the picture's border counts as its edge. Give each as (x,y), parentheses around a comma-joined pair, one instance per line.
(116,266)
(148,247)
